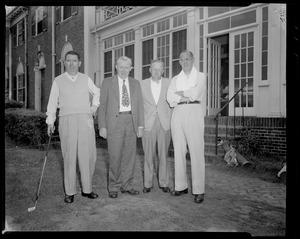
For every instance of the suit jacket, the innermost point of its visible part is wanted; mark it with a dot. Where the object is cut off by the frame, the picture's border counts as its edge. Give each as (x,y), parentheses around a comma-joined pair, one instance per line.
(151,109)
(110,104)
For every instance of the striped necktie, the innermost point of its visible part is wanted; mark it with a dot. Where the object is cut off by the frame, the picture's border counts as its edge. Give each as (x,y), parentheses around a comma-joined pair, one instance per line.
(125,97)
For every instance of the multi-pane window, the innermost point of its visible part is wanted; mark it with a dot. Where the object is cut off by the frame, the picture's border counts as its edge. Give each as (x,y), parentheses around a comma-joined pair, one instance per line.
(39,21)
(163,52)
(18,33)
(244,68)
(201,48)
(115,47)
(179,44)
(65,12)
(21,32)
(21,88)
(264,52)
(108,66)
(232,21)
(165,47)
(147,57)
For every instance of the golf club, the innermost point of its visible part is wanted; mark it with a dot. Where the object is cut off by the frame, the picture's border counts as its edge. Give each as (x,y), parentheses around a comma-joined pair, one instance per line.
(31,209)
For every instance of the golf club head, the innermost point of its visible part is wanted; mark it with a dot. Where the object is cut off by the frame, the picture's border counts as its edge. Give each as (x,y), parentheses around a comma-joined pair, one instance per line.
(31,209)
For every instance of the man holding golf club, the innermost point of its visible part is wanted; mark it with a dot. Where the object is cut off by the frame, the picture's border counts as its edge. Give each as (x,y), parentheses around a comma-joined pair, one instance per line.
(70,93)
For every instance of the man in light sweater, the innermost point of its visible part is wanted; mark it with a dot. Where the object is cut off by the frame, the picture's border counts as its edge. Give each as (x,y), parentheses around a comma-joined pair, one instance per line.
(70,93)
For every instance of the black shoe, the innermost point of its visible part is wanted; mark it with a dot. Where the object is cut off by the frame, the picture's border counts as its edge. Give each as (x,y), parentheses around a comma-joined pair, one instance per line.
(179,193)
(199,198)
(165,189)
(146,190)
(131,191)
(91,195)
(69,199)
(113,194)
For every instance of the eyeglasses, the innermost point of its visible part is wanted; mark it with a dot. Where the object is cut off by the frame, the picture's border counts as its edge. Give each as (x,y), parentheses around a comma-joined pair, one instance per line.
(185,59)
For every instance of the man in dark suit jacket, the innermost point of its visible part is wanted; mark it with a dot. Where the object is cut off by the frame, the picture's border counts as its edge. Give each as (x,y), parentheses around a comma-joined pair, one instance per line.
(121,120)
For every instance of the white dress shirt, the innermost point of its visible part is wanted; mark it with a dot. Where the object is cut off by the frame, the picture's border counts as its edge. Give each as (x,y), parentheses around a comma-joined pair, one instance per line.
(122,107)
(155,88)
(54,94)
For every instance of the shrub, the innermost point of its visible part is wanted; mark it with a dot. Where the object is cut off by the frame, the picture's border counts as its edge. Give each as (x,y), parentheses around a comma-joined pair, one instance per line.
(13,104)
(249,144)
(26,126)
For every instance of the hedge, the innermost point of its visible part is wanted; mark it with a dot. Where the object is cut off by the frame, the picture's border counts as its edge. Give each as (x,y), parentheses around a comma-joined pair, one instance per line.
(26,126)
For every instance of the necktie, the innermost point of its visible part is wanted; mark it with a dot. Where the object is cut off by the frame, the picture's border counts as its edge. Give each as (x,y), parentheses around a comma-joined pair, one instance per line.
(125,97)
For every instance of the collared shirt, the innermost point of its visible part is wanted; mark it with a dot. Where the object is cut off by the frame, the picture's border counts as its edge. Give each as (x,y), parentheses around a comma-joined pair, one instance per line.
(54,94)
(156,88)
(124,108)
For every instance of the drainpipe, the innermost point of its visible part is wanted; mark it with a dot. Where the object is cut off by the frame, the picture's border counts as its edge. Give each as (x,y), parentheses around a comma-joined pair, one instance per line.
(26,55)
(53,42)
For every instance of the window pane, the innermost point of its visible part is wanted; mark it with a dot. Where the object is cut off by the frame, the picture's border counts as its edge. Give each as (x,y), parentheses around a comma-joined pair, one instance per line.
(176,68)
(265,28)
(218,25)
(236,56)
(244,40)
(236,41)
(264,57)
(147,52)
(265,13)
(265,43)
(108,62)
(250,38)
(264,73)
(243,70)
(145,72)
(179,43)
(250,85)
(243,55)
(250,69)
(250,100)
(212,11)
(250,54)
(236,71)
(67,12)
(244,18)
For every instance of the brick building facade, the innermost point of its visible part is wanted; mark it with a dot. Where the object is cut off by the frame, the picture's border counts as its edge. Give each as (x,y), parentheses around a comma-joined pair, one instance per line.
(247,45)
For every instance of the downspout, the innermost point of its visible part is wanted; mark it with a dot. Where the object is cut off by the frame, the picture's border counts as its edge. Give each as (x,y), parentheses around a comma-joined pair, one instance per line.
(26,55)
(53,42)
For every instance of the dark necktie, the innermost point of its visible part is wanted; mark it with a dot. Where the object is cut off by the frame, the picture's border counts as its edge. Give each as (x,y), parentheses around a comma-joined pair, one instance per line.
(125,97)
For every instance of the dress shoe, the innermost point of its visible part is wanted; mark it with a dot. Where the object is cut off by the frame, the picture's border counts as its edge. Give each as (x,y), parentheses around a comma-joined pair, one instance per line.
(179,193)
(199,198)
(69,199)
(131,191)
(91,195)
(113,194)
(165,189)
(146,190)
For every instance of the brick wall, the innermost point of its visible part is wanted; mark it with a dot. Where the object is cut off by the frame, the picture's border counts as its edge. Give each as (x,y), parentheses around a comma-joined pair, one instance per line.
(271,132)
(73,28)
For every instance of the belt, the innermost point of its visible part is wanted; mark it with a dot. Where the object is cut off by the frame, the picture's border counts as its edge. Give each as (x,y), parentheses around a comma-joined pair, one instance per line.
(125,112)
(189,102)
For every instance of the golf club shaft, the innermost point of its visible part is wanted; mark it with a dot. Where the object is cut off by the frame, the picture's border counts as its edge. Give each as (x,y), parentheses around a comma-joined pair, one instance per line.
(41,178)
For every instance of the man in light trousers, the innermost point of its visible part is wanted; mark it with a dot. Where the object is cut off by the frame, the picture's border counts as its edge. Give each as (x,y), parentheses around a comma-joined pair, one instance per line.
(70,93)
(186,94)
(157,127)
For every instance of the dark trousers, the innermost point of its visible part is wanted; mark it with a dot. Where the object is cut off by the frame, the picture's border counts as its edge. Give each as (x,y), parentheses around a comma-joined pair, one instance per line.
(121,144)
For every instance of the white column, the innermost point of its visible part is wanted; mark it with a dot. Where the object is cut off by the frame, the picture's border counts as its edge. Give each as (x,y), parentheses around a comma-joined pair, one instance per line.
(274,62)
(137,54)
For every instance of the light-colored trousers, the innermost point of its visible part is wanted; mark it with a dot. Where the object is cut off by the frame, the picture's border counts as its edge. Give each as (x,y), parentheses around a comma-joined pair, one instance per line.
(77,137)
(121,145)
(157,135)
(187,127)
